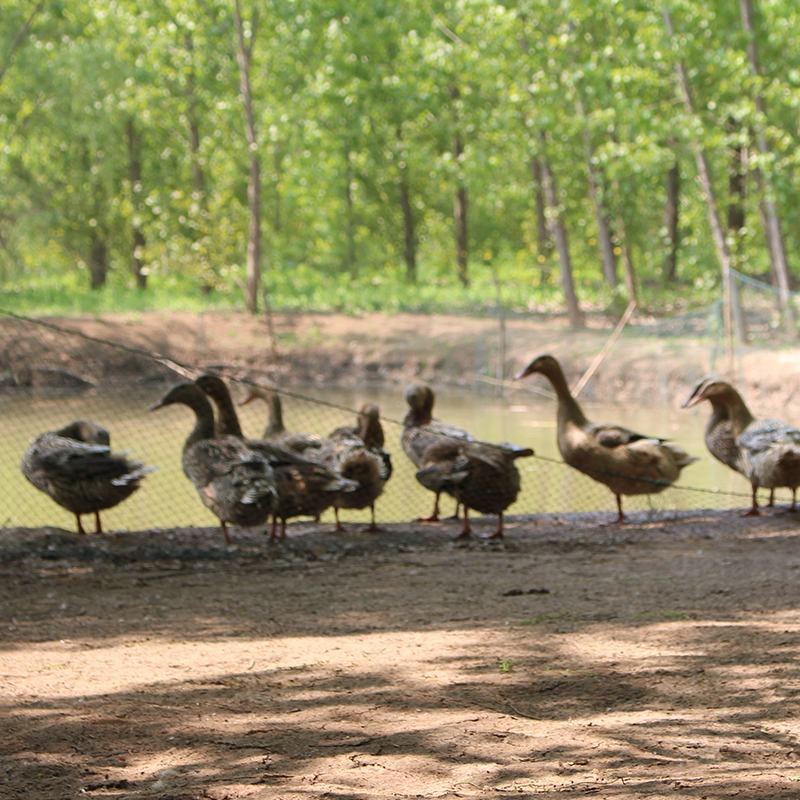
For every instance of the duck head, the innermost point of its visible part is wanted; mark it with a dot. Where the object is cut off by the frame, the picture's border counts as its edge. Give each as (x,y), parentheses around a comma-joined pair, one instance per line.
(708,389)
(545,365)
(87,432)
(188,394)
(212,385)
(420,402)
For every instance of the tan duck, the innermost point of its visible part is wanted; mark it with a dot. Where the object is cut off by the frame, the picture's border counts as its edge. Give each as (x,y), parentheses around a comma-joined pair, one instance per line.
(233,481)
(627,462)
(75,467)
(275,430)
(357,453)
(769,449)
(481,476)
(419,422)
(719,436)
(305,488)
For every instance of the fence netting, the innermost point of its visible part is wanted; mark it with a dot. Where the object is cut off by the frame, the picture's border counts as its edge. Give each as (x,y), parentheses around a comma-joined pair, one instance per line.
(50,376)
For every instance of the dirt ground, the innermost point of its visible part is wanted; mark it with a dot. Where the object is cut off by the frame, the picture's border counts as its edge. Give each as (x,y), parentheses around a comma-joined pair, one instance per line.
(655,660)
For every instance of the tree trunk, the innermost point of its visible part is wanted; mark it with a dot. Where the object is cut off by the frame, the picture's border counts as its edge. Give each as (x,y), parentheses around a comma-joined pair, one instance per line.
(704,173)
(350,257)
(198,175)
(559,233)
(277,173)
(596,194)
(98,258)
(135,179)
(460,202)
(627,252)
(409,229)
(244,53)
(672,209)
(737,191)
(544,243)
(769,211)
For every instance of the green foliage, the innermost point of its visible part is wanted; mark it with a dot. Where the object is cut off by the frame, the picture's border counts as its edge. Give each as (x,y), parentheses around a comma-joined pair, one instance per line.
(355,102)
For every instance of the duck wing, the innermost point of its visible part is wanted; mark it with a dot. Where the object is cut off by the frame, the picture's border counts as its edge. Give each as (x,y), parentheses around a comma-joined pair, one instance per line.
(612,436)
(767,433)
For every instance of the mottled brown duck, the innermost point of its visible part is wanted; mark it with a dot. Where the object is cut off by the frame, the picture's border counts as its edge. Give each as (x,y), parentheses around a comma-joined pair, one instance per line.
(628,463)
(275,431)
(769,449)
(305,488)
(234,482)
(419,422)
(75,467)
(481,476)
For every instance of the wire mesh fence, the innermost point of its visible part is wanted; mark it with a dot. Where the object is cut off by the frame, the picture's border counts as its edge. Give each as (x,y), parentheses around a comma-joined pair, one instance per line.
(50,376)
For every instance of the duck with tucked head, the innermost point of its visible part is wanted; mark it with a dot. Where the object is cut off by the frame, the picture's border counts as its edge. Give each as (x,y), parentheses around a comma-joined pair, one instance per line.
(75,467)
(305,487)
(357,453)
(234,482)
(629,463)
(481,476)
(768,449)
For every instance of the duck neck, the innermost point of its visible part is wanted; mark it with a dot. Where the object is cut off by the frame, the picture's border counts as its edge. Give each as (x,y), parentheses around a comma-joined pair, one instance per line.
(274,417)
(227,418)
(737,410)
(204,420)
(568,408)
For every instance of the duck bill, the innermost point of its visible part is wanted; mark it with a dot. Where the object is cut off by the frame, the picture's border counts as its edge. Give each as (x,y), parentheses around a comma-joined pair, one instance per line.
(248,399)
(524,373)
(156,406)
(692,401)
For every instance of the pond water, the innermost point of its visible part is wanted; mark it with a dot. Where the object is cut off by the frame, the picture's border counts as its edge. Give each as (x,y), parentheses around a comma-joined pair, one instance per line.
(166,498)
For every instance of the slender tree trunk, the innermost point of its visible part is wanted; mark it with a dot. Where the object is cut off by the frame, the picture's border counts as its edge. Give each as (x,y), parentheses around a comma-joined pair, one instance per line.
(409,229)
(193,123)
(460,201)
(704,173)
(244,55)
(672,209)
(277,170)
(135,179)
(627,252)
(98,258)
(559,233)
(544,242)
(769,210)
(350,256)
(596,194)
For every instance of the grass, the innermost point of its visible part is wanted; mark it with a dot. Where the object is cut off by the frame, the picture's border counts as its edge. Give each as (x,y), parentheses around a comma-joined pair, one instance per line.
(304,288)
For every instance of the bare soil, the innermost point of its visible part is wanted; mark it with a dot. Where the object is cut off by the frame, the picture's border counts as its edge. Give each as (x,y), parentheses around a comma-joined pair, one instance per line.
(356,350)
(654,660)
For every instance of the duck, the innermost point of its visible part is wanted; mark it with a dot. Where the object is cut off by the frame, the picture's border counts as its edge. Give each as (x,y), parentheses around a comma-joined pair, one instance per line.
(357,453)
(419,422)
(628,463)
(305,488)
(236,483)
(75,467)
(481,476)
(769,449)
(275,431)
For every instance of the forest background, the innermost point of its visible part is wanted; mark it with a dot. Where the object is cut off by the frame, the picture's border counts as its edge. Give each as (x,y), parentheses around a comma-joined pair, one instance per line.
(557,155)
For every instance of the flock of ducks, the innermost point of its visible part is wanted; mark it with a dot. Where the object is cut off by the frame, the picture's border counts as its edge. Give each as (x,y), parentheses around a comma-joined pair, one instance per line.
(282,475)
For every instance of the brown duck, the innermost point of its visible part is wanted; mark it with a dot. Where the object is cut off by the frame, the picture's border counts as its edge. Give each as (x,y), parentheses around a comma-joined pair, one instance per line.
(627,462)
(75,467)
(234,482)
(305,488)
(481,476)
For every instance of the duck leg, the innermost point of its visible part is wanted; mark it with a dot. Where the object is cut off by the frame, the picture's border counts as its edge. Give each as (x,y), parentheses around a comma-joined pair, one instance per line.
(753,512)
(457,512)
(498,533)
(273,529)
(620,513)
(771,503)
(466,530)
(434,517)
(373,528)
(98,526)
(339,527)
(80,525)
(225,533)
(283,528)
(793,507)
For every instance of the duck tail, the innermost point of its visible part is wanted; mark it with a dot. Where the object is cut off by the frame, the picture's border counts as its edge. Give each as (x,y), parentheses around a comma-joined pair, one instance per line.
(680,456)
(137,472)
(339,485)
